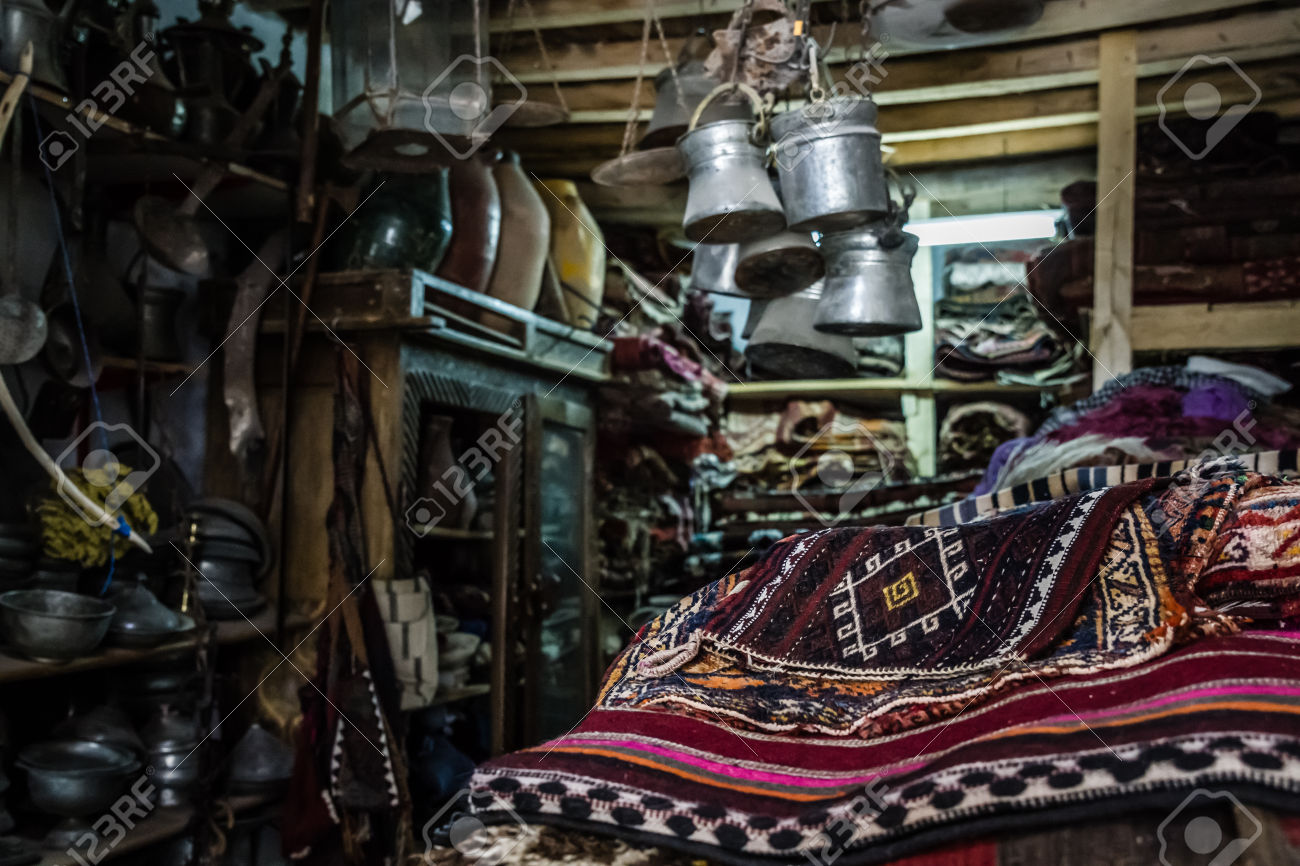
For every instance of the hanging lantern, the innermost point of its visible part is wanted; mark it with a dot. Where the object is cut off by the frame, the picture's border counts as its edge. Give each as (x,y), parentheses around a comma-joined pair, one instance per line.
(412,82)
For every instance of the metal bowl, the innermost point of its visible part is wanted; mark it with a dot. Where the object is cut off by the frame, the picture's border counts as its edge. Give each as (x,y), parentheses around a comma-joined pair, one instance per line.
(48,625)
(74,779)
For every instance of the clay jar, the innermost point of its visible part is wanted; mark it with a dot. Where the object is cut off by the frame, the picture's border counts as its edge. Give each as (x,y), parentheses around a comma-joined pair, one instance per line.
(445,498)
(577,251)
(525,236)
(476,224)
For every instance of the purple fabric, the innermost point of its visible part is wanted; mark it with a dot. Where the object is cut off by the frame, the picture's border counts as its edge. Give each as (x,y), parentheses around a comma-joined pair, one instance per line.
(996,463)
(1219,400)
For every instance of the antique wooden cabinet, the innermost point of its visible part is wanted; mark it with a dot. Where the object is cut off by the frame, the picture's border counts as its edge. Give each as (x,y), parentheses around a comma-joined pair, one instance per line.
(525,395)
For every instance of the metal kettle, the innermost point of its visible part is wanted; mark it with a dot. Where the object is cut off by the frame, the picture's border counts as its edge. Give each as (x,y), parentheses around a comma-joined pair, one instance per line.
(23,21)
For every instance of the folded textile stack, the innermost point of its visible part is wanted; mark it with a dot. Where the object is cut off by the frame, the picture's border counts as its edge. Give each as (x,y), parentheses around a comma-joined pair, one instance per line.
(1153,414)
(657,386)
(865,693)
(971,432)
(644,516)
(814,446)
(1200,236)
(981,341)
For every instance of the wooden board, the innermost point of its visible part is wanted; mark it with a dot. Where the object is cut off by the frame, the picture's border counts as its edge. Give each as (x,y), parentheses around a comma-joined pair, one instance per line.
(1116,161)
(1252,325)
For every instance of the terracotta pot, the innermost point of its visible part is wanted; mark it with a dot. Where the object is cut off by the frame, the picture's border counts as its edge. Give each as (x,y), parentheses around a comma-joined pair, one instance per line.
(444,489)
(476,225)
(525,236)
(577,251)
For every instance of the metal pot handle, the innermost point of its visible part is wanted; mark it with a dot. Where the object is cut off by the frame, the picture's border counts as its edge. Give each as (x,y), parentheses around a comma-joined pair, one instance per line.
(762,107)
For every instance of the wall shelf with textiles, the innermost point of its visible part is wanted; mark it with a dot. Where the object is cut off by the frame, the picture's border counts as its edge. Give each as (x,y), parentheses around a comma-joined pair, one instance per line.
(848,389)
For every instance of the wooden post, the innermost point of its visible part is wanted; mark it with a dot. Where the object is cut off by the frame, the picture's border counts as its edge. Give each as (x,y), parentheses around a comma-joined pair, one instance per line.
(919,412)
(1111,338)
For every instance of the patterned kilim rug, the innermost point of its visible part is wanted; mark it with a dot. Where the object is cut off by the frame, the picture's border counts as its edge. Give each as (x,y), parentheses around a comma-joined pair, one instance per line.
(858,694)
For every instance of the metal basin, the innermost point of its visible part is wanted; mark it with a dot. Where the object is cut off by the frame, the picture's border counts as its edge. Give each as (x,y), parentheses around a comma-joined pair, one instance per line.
(74,779)
(48,625)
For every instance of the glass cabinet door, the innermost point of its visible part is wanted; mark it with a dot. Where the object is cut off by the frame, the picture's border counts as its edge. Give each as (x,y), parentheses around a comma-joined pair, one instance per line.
(560,682)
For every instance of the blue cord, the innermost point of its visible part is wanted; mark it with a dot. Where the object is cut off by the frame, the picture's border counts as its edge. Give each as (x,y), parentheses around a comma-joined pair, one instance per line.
(122,527)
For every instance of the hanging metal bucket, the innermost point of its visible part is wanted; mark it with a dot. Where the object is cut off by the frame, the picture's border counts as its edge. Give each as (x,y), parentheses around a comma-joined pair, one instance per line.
(868,287)
(756,309)
(827,158)
(731,198)
(786,345)
(676,96)
(778,265)
(713,269)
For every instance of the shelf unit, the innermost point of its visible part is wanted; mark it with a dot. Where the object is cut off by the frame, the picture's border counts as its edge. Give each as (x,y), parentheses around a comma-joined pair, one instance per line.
(169,156)
(161,825)
(16,669)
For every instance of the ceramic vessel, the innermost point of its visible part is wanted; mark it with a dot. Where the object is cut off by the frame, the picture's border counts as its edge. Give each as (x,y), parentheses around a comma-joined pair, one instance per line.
(525,236)
(476,221)
(577,251)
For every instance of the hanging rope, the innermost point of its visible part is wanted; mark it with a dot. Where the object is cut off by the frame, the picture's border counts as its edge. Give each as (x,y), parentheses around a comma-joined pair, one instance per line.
(634,109)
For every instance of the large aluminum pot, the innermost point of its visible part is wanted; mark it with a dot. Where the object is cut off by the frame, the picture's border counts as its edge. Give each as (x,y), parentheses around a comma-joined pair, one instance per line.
(713,269)
(786,345)
(676,96)
(868,288)
(827,158)
(781,264)
(731,198)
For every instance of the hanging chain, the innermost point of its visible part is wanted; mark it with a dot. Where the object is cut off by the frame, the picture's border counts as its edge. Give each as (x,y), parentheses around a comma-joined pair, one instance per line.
(635,108)
(668,58)
(541,50)
(746,15)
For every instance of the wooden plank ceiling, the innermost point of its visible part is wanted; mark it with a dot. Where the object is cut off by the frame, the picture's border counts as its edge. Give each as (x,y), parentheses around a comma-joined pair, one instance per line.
(1029,94)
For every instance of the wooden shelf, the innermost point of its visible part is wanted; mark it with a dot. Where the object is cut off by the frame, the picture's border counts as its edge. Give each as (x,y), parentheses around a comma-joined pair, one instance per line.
(173,156)
(870,388)
(161,825)
(160,368)
(473,690)
(16,669)
(1246,325)
(461,534)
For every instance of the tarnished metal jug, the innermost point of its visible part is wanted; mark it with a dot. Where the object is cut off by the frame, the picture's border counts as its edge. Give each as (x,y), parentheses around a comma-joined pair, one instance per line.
(780,264)
(868,287)
(827,157)
(677,93)
(731,198)
(786,345)
(713,269)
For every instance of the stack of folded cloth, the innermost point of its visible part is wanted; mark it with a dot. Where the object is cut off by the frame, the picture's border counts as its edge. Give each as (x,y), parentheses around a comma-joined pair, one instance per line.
(1150,415)
(794,450)
(981,341)
(971,432)
(657,386)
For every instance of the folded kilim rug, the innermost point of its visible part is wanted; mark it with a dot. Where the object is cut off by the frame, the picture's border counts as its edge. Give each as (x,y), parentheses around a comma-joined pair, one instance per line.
(860,694)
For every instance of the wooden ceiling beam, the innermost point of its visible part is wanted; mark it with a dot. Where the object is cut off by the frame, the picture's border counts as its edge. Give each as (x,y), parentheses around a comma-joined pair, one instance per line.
(987,73)
(576,59)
